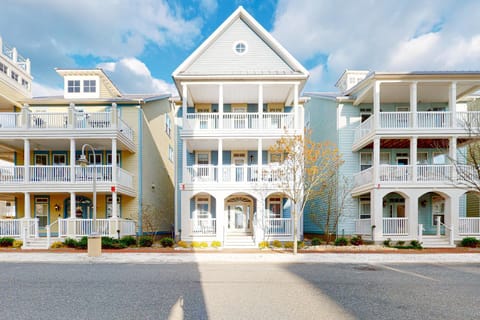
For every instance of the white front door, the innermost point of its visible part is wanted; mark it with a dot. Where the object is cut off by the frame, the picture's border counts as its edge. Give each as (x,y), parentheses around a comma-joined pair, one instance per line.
(238,218)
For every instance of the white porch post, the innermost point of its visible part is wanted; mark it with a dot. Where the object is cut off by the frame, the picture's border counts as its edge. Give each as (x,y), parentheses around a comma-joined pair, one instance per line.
(413,157)
(26,160)
(220,160)
(260,160)
(297,121)
(260,106)
(73,204)
(376,211)
(114,115)
(452,205)
(72,160)
(186,214)
(25,115)
(376,104)
(411,204)
(220,106)
(452,154)
(220,217)
(27,213)
(184,159)
(184,104)
(71,115)
(376,160)
(114,178)
(413,103)
(452,103)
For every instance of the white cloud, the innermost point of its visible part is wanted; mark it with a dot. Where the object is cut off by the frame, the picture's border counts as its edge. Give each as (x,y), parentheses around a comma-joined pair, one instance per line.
(131,75)
(39,90)
(208,6)
(380,35)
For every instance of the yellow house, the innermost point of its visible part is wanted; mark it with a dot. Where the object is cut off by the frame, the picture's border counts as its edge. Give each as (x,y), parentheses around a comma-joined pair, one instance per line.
(124,187)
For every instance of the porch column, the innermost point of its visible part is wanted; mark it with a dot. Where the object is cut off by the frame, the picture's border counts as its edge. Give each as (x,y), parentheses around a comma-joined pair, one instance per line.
(452,205)
(376,212)
(25,114)
(184,104)
(411,208)
(114,115)
(220,106)
(452,103)
(376,160)
(220,160)
(260,106)
(295,107)
(26,160)
(413,157)
(452,155)
(376,104)
(259,227)
(220,217)
(260,159)
(413,103)
(73,204)
(72,160)
(114,161)
(184,159)
(71,115)
(27,213)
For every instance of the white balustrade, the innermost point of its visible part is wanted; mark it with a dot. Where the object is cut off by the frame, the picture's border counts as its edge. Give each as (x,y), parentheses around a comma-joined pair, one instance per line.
(395,226)
(40,174)
(395,173)
(395,120)
(243,120)
(234,173)
(201,173)
(86,174)
(125,129)
(62,227)
(468,119)
(125,178)
(48,120)
(11,174)
(363,226)
(278,226)
(364,177)
(127,227)
(433,119)
(278,120)
(469,226)
(203,227)
(202,121)
(364,128)
(10,227)
(434,173)
(10,120)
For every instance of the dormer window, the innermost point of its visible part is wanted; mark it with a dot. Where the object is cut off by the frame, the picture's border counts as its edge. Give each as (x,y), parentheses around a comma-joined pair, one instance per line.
(73,86)
(89,86)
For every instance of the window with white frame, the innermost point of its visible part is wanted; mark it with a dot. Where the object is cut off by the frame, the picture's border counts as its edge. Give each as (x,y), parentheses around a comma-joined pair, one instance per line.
(3,68)
(365,160)
(14,76)
(110,206)
(73,86)
(422,158)
(59,159)
(89,86)
(384,158)
(364,208)
(98,159)
(25,83)
(41,159)
(202,207)
(274,207)
(168,125)
(170,153)
(109,158)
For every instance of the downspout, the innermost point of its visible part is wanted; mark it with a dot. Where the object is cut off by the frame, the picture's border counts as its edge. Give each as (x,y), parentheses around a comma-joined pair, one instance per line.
(140,170)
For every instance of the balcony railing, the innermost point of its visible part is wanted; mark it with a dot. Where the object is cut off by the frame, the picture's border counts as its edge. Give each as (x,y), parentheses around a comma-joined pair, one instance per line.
(395,226)
(62,174)
(424,120)
(240,121)
(469,226)
(278,226)
(234,174)
(64,121)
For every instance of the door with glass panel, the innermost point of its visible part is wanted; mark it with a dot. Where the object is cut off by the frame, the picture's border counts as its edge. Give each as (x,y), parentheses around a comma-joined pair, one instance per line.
(239,211)
(240,118)
(203,166)
(239,160)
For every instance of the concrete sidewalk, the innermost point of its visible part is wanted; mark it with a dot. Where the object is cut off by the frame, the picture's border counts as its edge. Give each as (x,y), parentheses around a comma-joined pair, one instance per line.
(175,258)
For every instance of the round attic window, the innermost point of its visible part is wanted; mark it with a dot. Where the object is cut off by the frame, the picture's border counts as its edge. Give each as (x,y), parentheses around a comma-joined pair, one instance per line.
(240,47)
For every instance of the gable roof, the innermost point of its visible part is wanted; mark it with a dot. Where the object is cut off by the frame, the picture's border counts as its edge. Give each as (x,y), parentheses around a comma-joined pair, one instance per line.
(215,57)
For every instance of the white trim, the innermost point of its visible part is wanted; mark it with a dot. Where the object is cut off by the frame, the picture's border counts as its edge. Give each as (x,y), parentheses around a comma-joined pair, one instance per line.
(280,202)
(199,200)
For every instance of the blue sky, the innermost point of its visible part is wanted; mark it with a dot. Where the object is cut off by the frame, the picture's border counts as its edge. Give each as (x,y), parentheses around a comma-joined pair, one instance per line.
(140,42)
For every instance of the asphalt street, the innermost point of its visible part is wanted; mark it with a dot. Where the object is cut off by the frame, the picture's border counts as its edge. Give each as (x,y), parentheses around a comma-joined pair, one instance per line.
(239,291)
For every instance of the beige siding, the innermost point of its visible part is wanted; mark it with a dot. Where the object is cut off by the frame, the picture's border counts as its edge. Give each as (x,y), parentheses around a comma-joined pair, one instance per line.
(220,57)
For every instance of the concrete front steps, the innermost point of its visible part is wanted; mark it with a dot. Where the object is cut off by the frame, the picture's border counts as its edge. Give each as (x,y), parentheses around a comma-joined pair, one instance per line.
(239,241)
(38,243)
(436,242)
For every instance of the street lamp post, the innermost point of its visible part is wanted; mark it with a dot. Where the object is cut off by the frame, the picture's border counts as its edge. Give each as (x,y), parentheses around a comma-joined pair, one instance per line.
(83,161)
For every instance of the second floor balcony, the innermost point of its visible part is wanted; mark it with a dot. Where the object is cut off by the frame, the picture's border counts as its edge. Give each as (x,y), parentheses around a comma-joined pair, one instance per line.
(416,122)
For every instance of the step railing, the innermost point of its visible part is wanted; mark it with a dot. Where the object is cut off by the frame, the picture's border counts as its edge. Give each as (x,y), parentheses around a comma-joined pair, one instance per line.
(449,228)
(49,232)
(395,226)
(278,226)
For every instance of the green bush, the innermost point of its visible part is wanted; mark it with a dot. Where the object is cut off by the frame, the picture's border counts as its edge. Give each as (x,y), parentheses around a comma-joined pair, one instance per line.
(342,241)
(415,244)
(277,244)
(400,243)
(300,244)
(70,243)
(82,243)
(167,242)
(6,242)
(387,243)
(128,241)
(216,244)
(263,245)
(145,241)
(356,240)
(316,242)
(470,242)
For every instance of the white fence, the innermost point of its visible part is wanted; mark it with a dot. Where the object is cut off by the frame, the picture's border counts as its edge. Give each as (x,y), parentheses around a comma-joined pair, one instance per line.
(203,227)
(278,227)
(469,226)
(395,226)
(104,227)
(19,228)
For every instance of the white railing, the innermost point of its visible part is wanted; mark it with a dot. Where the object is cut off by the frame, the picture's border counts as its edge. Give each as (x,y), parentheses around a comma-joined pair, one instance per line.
(86,174)
(468,119)
(278,120)
(10,120)
(125,178)
(395,120)
(469,226)
(93,120)
(244,120)
(278,226)
(203,121)
(364,128)
(233,173)
(127,227)
(11,174)
(364,177)
(48,120)
(62,227)
(50,173)
(84,227)
(203,227)
(395,226)
(434,172)
(433,119)
(201,173)
(125,129)
(10,227)
(363,226)
(395,173)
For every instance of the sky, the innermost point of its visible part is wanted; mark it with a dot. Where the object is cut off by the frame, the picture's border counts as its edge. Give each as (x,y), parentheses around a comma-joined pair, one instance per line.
(139,43)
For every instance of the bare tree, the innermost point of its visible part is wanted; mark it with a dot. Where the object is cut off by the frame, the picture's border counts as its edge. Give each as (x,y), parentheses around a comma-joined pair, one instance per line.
(307,165)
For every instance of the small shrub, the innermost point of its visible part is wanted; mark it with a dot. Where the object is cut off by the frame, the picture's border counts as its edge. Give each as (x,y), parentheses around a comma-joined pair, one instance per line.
(387,243)
(128,241)
(415,244)
(203,244)
(356,241)
(470,242)
(400,243)
(6,242)
(277,244)
(82,243)
(183,244)
(342,241)
(57,245)
(145,241)
(195,244)
(288,245)
(263,245)
(70,243)
(216,244)
(17,244)
(167,242)
(316,242)
(300,244)
(107,243)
